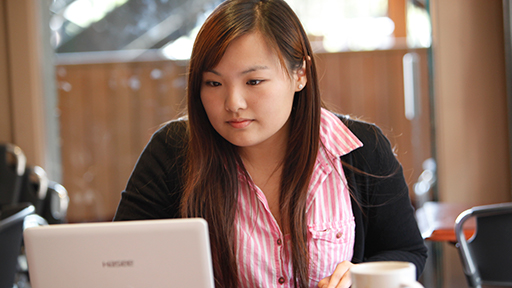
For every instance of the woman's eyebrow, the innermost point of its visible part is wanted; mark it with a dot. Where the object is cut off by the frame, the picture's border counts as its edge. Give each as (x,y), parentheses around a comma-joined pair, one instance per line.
(249,70)
(214,72)
(254,68)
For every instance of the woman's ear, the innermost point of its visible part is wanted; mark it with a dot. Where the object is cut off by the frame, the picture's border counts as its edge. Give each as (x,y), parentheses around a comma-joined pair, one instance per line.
(300,77)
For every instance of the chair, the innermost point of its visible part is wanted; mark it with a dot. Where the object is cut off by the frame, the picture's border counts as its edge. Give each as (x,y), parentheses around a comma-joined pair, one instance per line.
(12,168)
(48,197)
(34,187)
(487,256)
(55,205)
(11,235)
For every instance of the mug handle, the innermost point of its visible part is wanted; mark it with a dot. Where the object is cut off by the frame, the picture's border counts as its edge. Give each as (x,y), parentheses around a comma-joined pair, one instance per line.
(414,284)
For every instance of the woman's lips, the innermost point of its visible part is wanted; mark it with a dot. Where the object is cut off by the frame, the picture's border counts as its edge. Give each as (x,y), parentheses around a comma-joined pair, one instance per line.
(240,123)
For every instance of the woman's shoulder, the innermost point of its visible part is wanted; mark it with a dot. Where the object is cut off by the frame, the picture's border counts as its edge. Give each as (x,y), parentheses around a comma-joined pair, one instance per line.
(174,132)
(170,140)
(176,126)
(368,133)
(376,156)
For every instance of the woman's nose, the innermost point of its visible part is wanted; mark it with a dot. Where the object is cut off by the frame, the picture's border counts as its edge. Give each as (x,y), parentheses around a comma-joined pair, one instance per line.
(235,100)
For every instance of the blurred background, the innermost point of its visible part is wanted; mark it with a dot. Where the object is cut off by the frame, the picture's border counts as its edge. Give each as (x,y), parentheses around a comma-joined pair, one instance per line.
(84,84)
(114,70)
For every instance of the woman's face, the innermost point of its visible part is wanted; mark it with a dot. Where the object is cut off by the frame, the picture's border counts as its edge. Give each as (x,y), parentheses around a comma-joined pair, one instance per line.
(248,96)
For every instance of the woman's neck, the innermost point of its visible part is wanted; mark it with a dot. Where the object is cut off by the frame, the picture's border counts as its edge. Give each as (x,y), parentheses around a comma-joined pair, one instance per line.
(265,168)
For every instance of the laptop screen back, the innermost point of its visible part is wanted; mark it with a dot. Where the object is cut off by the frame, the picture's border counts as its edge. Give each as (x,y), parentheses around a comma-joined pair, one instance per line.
(149,253)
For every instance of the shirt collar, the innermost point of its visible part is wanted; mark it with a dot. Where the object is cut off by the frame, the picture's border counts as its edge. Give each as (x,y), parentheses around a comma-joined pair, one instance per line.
(336,138)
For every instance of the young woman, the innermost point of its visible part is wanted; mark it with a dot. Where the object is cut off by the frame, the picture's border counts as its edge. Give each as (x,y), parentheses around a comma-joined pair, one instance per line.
(293,194)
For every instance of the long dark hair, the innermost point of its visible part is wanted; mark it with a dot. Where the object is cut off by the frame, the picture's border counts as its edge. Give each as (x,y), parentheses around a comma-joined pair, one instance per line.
(211,189)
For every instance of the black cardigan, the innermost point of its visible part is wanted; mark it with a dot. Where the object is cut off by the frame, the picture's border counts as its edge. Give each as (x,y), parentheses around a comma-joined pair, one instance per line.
(385,225)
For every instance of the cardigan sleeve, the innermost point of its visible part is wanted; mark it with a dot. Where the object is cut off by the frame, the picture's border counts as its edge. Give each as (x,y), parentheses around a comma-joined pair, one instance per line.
(154,188)
(387,227)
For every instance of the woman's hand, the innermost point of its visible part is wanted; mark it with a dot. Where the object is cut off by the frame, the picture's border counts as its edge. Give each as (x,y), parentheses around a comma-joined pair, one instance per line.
(340,278)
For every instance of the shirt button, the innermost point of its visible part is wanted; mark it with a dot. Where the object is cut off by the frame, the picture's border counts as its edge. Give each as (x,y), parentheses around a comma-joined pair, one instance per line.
(338,235)
(279,242)
(281,280)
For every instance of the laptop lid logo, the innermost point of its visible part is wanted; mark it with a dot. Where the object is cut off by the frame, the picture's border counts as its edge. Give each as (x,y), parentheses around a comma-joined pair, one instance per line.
(117,263)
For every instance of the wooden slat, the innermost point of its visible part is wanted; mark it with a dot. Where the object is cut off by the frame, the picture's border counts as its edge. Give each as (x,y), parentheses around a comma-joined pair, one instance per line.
(74,155)
(121,129)
(99,141)
(147,104)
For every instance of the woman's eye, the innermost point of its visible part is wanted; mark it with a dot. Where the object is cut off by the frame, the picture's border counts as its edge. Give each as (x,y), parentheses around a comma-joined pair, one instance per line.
(212,83)
(254,82)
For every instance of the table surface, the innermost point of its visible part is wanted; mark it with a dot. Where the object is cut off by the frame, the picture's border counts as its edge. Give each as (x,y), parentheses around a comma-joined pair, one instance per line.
(436,221)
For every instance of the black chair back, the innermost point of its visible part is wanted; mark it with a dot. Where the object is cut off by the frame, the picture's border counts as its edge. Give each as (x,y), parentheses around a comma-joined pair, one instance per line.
(55,204)
(12,168)
(487,256)
(11,234)
(34,187)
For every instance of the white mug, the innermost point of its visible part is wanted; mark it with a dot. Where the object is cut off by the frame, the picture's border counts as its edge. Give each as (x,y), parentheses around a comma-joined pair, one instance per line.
(384,274)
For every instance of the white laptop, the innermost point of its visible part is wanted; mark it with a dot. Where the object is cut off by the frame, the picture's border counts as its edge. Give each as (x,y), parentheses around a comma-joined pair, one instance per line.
(135,254)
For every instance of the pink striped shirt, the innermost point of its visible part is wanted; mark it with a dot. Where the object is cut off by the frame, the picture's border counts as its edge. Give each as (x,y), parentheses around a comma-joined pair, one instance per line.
(260,251)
